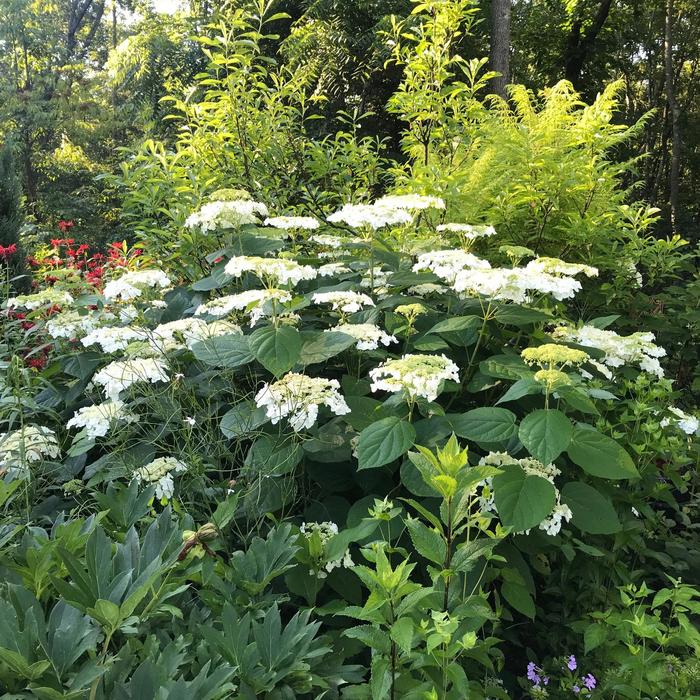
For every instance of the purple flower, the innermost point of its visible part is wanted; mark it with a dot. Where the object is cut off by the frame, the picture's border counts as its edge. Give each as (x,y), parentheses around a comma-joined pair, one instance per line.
(545,680)
(532,674)
(575,690)
(590,682)
(571,663)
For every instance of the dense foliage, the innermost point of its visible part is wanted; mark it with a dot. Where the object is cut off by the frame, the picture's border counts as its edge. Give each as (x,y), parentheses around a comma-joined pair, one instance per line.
(383,404)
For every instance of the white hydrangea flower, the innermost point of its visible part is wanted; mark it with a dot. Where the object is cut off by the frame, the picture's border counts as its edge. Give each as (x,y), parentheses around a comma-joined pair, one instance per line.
(46,297)
(417,375)
(423,290)
(249,300)
(160,472)
(328,241)
(325,532)
(368,335)
(637,348)
(132,284)
(97,419)
(278,270)
(469,232)
(128,313)
(113,338)
(381,281)
(686,422)
(212,330)
(412,202)
(448,263)
(297,397)
(333,269)
(28,444)
(347,302)
(226,215)
(552,523)
(371,216)
(293,223)
(71,324)
(554,266)
(120,375)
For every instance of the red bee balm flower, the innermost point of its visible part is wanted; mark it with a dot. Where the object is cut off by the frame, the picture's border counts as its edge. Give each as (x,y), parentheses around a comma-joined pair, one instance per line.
(6,252)
(65,226)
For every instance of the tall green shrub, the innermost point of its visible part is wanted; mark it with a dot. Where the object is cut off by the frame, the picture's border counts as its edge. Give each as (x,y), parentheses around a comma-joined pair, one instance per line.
(10,208)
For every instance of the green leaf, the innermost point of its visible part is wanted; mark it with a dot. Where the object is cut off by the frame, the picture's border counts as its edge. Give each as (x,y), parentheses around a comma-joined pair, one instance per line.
(324,346)
(485,424)
(402,633)
(242,419)
(520,315)
(426,541)
(225,511)
(456,323)
(469,553)
(599,455)
(521,388)
(273,455)
(546,433)
(594,636)
(519,597)
(223,351)
(383,442)
(106,613)
(592,512)
(276,349)
(523,500)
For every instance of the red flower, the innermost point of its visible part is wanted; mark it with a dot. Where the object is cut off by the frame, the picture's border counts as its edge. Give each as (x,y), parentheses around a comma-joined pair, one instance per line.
(82,248)
(65,226)
(6,252)
(35,362)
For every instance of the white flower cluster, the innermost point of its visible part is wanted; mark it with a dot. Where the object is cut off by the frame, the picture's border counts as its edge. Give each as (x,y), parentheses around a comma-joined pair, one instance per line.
(638,348)
(72,324)
(372,216)
(120,375)
(253,301)
(325,531)
(27,445)
(46,297)
(226,215)
(132,284)
(113,338)
(686,422)
(97,419)
(448,263)
(346,302)
(411,202)
(554,266)
(368,335)
(160,472)
(427,288)
(185,332)
(297,397)
(293,223)
(333,269)
(277,270)
(417,375)
(328,241)
(553,522)
(469,232)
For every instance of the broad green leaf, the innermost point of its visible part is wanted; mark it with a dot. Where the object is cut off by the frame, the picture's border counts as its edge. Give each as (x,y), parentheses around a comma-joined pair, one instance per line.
(520,315)
(600,455)
(402,633)
(519,597)
(484,424)
(505,367)
(426,541)
(469,553)
(242,419)
(325,346)
(223,351)
(273,456)
(383,442)
(456,323)
(545,433)
(523,500)
(276,349)
(594,635)
(592,512)
(522,387)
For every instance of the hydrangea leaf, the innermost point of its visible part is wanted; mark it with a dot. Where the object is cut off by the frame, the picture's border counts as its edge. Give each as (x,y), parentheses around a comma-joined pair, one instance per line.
(485,424)
(592,512)
(276,349)
(599,455)
(546,433)
(223,351)
(523,500)
(383,442)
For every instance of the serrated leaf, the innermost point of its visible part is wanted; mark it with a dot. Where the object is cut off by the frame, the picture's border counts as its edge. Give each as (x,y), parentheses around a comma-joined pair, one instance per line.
(276,349)
(402,633)
(485,424)
(242,419)
(223,351)
(545,433)
(426,541)
(523,500)
(324,346)
(383,442)
(600,455)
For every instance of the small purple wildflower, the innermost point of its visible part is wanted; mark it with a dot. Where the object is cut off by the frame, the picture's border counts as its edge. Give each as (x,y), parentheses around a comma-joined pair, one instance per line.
(532,674)
(575,690)
(590,682)
(571,663)
(545,680)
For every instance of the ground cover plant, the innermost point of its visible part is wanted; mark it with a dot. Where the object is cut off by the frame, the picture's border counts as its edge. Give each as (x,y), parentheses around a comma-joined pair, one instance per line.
(329,425)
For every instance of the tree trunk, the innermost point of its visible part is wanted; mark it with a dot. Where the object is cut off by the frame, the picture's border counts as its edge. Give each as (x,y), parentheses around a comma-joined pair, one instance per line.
(675,113)
(499,55)
(578,47)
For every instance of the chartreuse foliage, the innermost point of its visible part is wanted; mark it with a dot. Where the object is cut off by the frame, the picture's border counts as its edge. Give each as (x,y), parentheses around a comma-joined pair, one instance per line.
(325,457)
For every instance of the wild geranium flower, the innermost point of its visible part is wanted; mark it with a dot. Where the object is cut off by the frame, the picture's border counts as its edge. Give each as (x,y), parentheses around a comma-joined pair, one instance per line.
(370,216)
(368,335)
(417,375)
(160,472)
(46,297)
(252,301)
(97,419)
(636,349)
(298,397)
(293,223)
(448,263)
(118,376)
(28,444)
(347,302)
(113,338)
(271,270)
(133,284)
(226,215)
